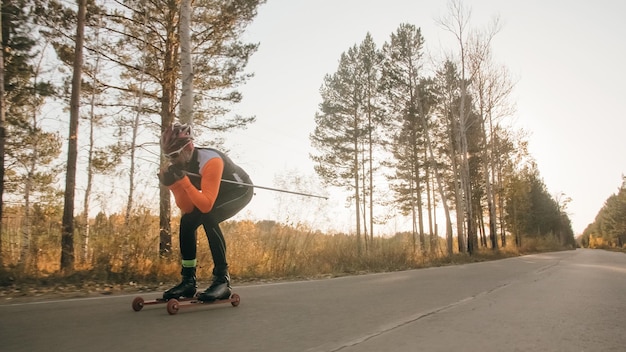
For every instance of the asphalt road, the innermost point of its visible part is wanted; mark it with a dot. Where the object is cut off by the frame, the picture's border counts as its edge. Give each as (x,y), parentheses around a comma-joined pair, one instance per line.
(563,301)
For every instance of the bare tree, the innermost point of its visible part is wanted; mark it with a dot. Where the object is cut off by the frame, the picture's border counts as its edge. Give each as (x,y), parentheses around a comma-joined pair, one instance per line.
(492,87)
(472,52)
(456,23)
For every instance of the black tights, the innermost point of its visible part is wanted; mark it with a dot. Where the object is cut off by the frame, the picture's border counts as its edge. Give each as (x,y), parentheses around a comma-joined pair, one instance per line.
(226,206)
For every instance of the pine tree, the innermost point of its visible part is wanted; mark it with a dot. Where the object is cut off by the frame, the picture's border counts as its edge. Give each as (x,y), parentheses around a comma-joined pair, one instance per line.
(370,59)
(510,149)
(402,76)
(532,212)
(29,149)
(339,130)
(447,95)
(67,234)
(518,204)
(609,223)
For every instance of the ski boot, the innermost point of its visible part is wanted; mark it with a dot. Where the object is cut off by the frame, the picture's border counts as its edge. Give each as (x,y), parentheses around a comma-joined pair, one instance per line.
(187,287)
(219,289)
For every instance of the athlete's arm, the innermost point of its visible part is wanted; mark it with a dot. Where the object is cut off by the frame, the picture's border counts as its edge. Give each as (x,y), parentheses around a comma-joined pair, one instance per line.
(204,200)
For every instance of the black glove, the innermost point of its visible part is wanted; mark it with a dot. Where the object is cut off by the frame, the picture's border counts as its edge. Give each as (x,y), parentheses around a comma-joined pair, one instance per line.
(172,175)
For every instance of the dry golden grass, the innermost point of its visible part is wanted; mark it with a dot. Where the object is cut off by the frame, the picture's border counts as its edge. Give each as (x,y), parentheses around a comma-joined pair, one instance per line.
(120,254)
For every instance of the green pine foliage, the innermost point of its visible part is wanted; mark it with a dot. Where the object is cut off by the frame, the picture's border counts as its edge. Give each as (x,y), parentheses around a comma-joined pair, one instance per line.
(609,227)
(532,213)
(31,149)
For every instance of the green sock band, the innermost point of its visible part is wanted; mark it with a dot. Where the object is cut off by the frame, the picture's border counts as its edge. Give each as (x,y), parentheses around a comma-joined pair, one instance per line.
(189,263)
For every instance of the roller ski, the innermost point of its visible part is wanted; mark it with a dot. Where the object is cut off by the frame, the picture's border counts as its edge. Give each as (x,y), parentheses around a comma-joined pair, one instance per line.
(184,294)
(174,304)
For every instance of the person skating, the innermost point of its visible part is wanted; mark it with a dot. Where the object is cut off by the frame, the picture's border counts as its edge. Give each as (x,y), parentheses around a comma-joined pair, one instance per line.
(195,177)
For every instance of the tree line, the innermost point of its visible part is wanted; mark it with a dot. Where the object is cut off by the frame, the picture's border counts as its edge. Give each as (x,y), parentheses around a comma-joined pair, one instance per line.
(609,226)
(436,133)
(113,73)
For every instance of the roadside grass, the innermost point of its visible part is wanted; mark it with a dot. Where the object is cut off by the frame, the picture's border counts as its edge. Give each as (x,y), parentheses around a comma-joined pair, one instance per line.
(126,259)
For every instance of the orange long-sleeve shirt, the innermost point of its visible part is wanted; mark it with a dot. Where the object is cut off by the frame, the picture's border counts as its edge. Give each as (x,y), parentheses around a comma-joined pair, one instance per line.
(188,197)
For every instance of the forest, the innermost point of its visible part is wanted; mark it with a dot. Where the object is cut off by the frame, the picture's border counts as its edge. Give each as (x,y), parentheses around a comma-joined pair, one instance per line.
(608,229)
(395,131)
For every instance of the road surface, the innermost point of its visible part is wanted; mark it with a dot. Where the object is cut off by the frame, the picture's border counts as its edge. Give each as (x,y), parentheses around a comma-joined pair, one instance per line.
(562,301)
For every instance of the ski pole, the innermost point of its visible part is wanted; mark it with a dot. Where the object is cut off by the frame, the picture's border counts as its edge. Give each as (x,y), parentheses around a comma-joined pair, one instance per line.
(263,187)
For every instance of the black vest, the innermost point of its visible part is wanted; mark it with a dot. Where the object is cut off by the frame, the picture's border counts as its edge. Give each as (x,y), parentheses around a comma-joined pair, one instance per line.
(232,172)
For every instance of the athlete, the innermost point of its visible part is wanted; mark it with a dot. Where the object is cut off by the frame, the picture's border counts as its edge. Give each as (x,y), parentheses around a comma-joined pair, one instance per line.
(208,188)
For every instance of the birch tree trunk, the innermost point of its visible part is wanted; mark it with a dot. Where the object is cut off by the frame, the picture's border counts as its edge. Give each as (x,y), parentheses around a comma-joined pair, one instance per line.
(456,24)
(186,66)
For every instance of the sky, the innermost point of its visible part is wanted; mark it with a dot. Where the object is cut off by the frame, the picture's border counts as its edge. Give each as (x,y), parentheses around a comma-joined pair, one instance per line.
(567,59)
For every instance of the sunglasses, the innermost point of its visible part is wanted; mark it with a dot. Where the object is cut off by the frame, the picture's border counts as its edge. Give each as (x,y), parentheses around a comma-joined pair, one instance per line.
(175,154)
